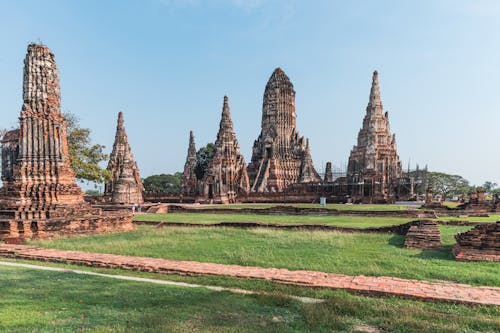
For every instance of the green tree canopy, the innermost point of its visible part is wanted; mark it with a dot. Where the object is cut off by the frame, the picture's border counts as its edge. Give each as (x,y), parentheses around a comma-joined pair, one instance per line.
(165,183)
(204,155)
(448,185)
(85,156)
(490,187)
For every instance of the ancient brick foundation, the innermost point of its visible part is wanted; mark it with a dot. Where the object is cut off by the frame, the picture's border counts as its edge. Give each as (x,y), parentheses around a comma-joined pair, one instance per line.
(423,235)
(290,210)
(67,227)
(482,243)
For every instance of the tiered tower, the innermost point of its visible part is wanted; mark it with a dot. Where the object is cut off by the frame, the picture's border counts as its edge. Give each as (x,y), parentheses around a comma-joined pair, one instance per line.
(36,172)
(40,197)
(189,182)
(226,175)
(125,186)
(374,167)
(281,157)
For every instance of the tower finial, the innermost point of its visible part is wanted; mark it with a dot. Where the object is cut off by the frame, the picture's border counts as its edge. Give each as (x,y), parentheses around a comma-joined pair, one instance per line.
(375,100)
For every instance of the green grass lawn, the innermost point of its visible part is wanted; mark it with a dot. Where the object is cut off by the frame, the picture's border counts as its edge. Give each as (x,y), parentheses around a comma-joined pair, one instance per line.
(489,218)
(347,221)
(362,207)
(346,253)
(41,301)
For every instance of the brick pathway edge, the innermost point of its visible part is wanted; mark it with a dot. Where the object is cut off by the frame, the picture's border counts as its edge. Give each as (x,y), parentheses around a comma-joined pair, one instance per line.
(371,285)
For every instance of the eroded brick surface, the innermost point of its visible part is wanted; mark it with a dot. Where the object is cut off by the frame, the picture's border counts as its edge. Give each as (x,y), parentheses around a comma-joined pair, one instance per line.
(482,243)
(423,235)
(40,197)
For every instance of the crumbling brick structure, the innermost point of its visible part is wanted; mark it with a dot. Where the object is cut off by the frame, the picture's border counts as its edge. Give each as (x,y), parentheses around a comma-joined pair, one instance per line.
(423,235)
(328,173)
(125,186)
(280,157)
(482,243)
(39,187)
(374,167)
(189,181)
(226,176)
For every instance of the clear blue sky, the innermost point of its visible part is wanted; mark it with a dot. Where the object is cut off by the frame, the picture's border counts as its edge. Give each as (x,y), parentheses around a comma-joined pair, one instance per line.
(168,63)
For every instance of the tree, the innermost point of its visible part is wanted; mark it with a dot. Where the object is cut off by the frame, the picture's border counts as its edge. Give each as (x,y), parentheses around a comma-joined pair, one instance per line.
(204,155)
(165,183)
(85,156)
(448,185)
(489,187)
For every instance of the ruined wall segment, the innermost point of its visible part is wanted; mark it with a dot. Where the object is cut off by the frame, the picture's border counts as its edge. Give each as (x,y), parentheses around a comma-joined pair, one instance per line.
(280,156)
(125,186)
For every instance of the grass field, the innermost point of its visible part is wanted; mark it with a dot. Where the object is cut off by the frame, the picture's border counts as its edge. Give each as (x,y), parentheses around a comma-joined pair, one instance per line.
(346,253)
(348,221)
(362,207)
(40,301)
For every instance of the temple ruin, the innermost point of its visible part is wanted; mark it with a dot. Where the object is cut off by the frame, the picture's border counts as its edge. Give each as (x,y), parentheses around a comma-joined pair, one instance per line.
(482,243)
(280,156)
(328,173)
(189,181)
(374,168)
(226,176)
(40,197)
(125,186)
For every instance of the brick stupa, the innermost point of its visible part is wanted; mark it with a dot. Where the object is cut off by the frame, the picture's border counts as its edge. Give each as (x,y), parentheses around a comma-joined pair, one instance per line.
(125,186)
(280,157)
(374,166)
(226,175)
(189,182)
(40,197)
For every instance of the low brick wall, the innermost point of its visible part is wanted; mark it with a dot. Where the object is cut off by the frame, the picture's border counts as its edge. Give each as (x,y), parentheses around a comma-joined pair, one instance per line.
(107,222)
(290,210)
(400,229)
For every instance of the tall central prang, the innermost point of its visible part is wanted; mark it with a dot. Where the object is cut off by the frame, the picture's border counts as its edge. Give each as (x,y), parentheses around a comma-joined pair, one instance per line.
(281,157)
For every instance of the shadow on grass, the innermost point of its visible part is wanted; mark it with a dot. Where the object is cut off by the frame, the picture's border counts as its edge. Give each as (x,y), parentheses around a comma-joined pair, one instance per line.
(397,241)
(443,253)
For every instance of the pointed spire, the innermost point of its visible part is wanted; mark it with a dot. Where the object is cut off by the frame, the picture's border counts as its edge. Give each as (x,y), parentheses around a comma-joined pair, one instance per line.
(226,114)
(192,146)
(375,100)
(121,135)
(226,132)
(120,120)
